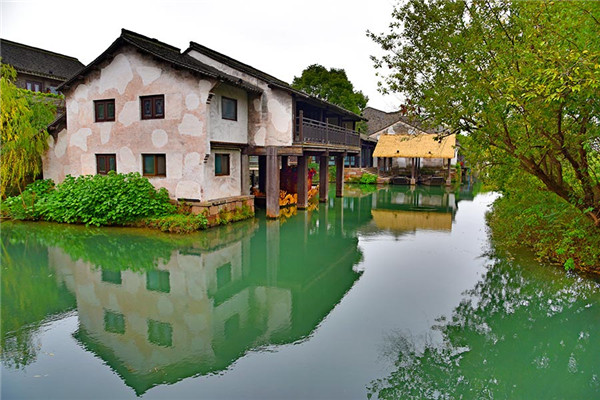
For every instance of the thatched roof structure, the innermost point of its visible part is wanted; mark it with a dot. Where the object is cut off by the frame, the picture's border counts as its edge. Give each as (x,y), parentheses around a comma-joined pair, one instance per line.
(402,221)
(420,146)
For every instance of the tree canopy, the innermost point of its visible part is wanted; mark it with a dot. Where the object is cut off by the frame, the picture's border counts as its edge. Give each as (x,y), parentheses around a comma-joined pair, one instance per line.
(24,118)
(331,85)
(521,79)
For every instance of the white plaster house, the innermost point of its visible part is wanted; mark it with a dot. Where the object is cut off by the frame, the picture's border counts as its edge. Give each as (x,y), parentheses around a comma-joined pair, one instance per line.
(188,121)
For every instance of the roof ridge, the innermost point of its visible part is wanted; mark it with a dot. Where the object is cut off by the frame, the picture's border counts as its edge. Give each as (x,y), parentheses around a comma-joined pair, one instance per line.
(202,47)
(39,49)
(127,32)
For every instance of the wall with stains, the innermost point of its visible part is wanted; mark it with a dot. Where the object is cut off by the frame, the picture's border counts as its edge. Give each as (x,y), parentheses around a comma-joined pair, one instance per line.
(183,135)
(270,115)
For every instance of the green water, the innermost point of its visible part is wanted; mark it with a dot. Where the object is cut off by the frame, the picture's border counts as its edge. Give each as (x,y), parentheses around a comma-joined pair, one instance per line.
(391,293)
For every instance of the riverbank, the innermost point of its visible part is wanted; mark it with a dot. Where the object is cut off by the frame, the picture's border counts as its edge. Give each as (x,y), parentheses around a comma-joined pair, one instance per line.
(555,231)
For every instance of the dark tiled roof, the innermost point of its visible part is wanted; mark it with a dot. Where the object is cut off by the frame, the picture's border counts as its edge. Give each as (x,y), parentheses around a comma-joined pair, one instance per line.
(378,120)
(165,53)
(269,79)
(35,61)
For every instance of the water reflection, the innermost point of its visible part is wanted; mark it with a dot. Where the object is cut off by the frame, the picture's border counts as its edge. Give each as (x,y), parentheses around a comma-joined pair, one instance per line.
(523,331)
(159,308)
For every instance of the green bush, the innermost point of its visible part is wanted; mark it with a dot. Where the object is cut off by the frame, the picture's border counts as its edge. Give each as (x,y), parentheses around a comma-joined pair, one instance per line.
(368,179)
(25,205)
(528,215)
(113,199)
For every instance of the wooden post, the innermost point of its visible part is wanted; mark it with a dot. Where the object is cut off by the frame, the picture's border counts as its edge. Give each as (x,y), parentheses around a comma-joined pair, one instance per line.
(262,174)
(272,182)
(339,176)
(245,172)
(323,177)
(302,173)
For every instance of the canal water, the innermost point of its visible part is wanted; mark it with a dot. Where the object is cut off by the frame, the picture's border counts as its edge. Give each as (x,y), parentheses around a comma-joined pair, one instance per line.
(389,293)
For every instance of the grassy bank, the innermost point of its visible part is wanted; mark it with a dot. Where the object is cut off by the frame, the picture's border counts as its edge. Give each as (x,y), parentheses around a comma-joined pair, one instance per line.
(109,200)
(529,216)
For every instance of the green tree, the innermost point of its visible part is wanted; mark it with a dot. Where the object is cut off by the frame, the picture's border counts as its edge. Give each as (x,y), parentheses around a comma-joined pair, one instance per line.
(522,79)
(331,85)
(24,118)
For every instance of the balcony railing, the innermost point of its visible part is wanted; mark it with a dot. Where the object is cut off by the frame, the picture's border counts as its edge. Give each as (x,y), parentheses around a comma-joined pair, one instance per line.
(312,131)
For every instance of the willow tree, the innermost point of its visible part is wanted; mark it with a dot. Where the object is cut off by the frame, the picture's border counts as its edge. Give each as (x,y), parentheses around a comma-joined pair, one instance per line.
(24,117)
(522,79)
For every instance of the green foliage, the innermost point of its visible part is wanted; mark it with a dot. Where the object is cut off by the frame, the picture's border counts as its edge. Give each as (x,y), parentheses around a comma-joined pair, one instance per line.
(530,215)
(331,85)
(24,117)
(113,199)
(521,78)
(23,206)
(177,223)
(368,179)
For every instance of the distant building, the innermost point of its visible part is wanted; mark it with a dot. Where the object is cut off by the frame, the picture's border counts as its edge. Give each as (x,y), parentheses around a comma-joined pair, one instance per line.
(37,69)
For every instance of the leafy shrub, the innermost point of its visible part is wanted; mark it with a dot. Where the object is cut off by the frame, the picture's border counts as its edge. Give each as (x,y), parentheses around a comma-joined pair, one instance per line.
(113,199)
(178,223)
(368,179)
(25,205)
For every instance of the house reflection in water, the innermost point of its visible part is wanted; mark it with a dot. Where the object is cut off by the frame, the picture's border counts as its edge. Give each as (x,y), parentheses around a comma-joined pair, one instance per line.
(203,304)
(407,209)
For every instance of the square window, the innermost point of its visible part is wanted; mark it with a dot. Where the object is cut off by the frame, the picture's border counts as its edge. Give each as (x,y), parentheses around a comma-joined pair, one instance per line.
(229,108)
(221,164)
(105,163)
(160,333)
(34,86)
(111,276)
(158,281)
(153,107)
(104,110)
(154,165)
(223,275)
(114,322)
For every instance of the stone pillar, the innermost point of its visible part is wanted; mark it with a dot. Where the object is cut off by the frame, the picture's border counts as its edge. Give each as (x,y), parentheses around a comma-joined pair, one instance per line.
(302,170)
(272,182)
(339,176)
(449,178)
(323,177)
(412,171)
(245,171)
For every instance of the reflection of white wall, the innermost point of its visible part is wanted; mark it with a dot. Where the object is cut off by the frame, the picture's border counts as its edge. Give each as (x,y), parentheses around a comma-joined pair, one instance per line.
(195,320)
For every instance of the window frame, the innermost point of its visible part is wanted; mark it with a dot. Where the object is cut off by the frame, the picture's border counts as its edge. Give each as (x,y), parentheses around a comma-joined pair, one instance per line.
(106,163)
(221,155)
(156,157)
(105,103)
(152,99)
(223,99)
(32,84)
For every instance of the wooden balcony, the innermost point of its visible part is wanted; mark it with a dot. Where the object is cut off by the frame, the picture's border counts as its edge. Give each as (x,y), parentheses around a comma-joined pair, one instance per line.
(310,131)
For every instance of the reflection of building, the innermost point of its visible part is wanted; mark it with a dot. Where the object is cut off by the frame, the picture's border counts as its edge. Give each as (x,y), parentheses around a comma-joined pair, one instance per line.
(204,306)
(406,209)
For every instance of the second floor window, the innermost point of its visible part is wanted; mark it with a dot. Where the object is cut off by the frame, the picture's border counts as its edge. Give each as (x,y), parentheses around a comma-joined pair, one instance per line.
(104,110)
(153,107)
(229,108)
(34,86)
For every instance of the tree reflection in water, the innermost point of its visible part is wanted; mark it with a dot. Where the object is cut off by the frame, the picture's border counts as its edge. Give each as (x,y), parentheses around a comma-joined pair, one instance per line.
(522,332)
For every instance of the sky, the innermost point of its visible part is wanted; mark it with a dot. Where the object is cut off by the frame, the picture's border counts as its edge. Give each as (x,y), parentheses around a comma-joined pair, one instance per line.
(280,37)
